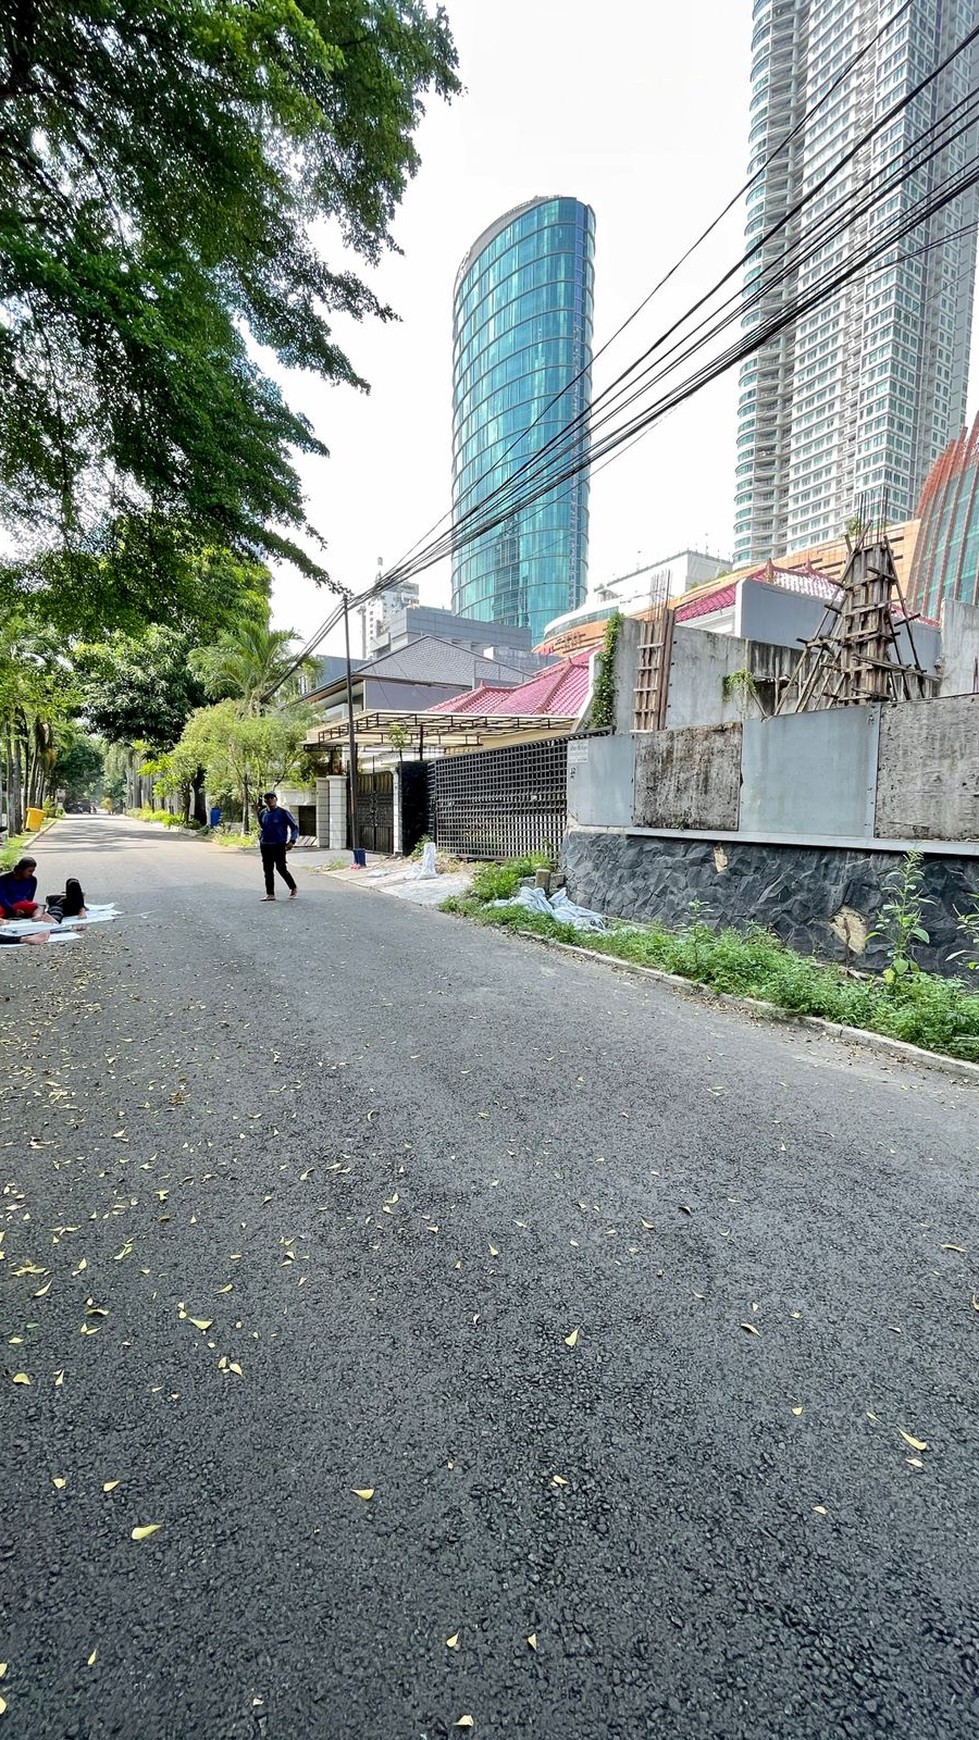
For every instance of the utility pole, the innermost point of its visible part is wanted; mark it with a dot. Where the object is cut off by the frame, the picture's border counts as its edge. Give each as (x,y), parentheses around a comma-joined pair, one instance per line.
(351,735)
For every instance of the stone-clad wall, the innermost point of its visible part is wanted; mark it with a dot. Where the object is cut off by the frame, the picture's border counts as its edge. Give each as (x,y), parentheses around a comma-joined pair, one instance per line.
(811,896)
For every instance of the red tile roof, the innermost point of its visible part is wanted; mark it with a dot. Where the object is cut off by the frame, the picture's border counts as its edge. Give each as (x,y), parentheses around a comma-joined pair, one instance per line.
(808,581)
(559,692)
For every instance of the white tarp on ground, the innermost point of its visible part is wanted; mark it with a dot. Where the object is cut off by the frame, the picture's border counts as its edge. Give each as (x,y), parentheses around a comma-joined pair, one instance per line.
(21,927)
(556,906)
(427,868)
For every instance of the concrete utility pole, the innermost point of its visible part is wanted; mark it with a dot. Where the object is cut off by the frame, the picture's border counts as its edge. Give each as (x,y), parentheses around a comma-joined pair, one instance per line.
(351,734)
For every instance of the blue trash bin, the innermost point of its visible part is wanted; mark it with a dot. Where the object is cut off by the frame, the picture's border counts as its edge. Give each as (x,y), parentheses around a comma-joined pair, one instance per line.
(360,858)
(215,815)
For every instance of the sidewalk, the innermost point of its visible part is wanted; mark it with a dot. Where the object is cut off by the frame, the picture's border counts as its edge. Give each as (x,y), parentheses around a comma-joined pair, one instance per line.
(398,876)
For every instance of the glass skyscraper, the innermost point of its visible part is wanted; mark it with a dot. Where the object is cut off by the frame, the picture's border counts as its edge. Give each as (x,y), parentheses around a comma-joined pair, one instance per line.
(522,327)
(862,393)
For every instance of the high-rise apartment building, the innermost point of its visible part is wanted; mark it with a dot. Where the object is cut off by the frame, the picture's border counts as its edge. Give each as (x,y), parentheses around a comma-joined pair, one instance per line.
(522,325)
(863,393)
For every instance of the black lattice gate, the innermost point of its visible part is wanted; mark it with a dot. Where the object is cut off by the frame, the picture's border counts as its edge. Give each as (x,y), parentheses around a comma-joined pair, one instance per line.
(500,803)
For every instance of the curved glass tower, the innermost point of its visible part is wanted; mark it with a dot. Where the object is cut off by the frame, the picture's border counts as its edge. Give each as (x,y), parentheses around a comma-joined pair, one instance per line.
(522,324)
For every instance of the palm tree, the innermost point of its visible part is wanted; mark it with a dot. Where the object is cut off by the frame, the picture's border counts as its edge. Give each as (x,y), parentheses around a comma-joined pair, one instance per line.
(247,663)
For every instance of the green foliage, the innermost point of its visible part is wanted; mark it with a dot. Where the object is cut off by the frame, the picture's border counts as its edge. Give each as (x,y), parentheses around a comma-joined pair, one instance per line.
(244,753)
(603,699)
(162,171)
(740,686)
(937,1014)
(79,767)
(139,688)
(899,919)
(248,662)
(500,881)
(969,926)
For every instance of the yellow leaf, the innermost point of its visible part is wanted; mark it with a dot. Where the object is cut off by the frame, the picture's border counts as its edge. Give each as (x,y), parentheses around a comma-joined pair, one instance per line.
(3,1705)
(797,1412)
(3,1670)
(532,1640)
(109,1485)
(572,1339)
(21,1377)
(59,1378)
(959,1248)
(915,1443)
(91,1659)
(364,1492)
(915,1462)
(143,1534)
(89,1329)
(558,1480)
(226,1289)
(467,1721)
(820,1509)
(393,1199)
(59,1481)
(649,1225)
(235,1367)
(453,1641)
(750,1327)
(493,1251)
(43,1291)
(201,1323)
(975,1301)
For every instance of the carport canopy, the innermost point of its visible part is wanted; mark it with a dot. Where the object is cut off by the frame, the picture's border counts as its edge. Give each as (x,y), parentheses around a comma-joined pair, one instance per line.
(444,730)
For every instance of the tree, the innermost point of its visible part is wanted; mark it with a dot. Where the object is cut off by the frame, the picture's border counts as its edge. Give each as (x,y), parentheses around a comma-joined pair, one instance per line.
(162,168)
(247,662)
(139,688)
(79,768)
(245,753)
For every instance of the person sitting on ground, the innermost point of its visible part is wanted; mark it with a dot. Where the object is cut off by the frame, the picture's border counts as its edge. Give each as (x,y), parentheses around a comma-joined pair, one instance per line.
(18,888)
(70,904)
(279,832)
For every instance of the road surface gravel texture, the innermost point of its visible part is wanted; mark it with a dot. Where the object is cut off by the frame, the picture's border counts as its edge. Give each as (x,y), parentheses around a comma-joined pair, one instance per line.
(635,1317)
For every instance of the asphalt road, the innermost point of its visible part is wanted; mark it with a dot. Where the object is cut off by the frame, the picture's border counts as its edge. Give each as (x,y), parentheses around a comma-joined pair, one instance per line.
(487,1232)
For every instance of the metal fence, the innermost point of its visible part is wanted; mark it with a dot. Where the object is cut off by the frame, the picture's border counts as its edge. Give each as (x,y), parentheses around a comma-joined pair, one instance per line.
(500,803)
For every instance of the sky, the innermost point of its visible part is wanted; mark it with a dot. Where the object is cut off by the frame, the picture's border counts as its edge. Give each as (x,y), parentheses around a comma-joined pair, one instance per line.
(638,107)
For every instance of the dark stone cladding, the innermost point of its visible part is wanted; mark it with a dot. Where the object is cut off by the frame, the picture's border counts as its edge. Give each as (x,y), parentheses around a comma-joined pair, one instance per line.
(792,890)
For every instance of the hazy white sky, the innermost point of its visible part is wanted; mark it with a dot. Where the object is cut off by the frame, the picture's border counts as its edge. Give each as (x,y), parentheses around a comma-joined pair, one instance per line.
(638,107)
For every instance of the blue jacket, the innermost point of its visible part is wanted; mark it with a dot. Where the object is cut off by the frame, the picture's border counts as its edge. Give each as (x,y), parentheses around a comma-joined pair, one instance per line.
(15,889)
(277,826)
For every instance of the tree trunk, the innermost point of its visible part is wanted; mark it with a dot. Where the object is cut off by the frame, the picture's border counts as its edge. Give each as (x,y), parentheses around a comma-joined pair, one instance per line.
(199,797)
(16,790)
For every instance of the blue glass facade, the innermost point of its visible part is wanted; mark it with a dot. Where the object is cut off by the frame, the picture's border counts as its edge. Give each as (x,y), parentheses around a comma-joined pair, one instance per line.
(522,326)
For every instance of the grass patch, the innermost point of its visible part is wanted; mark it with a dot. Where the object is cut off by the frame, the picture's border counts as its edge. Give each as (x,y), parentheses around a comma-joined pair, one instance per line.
(15,848)
(935,1013)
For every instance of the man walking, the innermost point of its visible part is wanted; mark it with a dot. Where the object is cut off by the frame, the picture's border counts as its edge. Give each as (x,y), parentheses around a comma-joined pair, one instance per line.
(279,832)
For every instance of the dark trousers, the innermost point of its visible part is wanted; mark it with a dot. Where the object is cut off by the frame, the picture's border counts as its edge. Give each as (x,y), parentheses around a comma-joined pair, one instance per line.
(274,858)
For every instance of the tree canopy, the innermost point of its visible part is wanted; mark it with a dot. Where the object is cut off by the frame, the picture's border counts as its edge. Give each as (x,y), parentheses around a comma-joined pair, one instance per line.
(162,169)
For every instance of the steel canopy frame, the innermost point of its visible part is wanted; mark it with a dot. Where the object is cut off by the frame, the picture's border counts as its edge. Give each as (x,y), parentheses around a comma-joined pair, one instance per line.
(446,730)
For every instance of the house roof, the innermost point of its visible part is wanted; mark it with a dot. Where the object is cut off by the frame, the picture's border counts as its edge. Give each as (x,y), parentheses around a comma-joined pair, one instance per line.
(427,659)
(709,598)
(559,692)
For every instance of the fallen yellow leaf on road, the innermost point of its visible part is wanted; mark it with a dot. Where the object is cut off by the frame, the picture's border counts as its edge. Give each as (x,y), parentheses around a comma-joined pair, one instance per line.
(572,1339)
(797,1412)
(750,1327)
(3,1705)
(959,1248)
(59,1481)
(493,1251)
(42,1291)
(91,1659)
(532,1640)
(453,1641)
(109,1485)
(915,1462)
(820,1509)
(915,1443)
(201,1323)
(649,1225)
(21,1377)
(226,1289)
(467,1721)
(364,1492)
(143,1534)
(558,1480)
(236,1368)
(59,1378)
(3,1670)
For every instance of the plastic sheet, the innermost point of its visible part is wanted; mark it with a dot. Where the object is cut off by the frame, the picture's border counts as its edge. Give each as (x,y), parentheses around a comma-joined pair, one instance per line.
(556,906)
(427,868)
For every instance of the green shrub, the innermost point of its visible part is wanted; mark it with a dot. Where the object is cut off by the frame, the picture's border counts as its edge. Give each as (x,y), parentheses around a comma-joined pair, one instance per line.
(501,881)
(925,1010)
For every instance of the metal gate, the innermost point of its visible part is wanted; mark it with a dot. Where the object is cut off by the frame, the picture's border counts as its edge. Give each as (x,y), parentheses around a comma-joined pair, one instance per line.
(501,803)
(375,810)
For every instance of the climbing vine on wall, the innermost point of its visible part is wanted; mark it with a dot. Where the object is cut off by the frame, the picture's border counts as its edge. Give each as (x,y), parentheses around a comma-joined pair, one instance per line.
(603,700)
